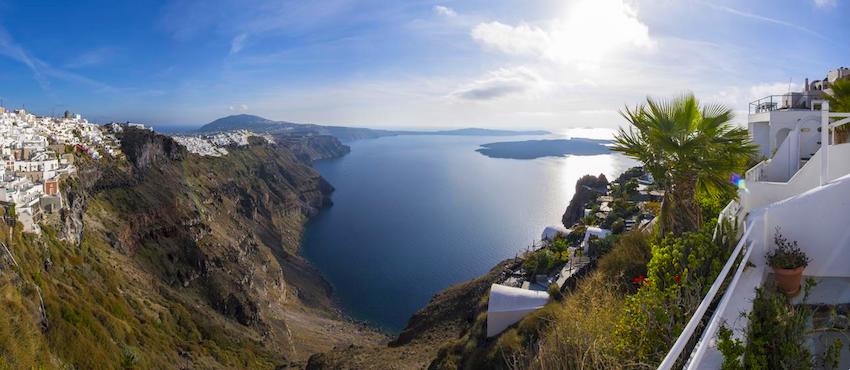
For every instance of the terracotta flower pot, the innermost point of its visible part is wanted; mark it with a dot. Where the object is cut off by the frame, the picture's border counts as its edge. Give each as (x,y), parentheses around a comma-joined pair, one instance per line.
(788,280)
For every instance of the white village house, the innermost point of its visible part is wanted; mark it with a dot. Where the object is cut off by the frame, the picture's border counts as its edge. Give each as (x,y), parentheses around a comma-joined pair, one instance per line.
(32,148)
(802,187)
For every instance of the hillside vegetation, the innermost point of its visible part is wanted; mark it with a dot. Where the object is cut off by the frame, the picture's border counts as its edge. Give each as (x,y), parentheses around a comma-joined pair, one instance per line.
(170,260)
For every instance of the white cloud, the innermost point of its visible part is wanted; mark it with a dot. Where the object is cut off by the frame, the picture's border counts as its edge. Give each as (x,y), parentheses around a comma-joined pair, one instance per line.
(522,39)
(825,3)
(502,83)
(237,43)
(240,108)
(444,11)
(589,31)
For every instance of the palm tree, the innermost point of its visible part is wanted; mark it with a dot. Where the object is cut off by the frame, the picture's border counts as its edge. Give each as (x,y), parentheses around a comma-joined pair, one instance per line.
(839,101)
(689,150)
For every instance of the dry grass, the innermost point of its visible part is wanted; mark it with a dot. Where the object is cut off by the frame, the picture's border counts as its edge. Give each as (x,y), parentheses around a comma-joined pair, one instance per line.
(581,334)
(581,331)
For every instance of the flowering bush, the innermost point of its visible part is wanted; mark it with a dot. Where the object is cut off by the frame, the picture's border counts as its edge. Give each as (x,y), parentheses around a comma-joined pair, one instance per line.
(678,275)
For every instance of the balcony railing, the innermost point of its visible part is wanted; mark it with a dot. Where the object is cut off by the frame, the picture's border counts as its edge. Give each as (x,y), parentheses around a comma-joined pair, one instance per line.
(792,101)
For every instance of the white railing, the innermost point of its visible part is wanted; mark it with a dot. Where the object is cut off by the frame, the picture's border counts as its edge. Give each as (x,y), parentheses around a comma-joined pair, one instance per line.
(691,327)
(730,212)
(755,173)
(714,324)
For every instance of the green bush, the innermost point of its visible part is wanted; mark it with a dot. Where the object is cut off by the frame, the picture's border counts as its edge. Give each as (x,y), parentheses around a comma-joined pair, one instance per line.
(627,259)
(598,247)
(678,275)
(618,226)
(554,291)
(577,235)
(775,337)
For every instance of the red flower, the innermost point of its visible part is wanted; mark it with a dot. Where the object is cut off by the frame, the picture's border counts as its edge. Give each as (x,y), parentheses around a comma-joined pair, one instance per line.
(677,278)
(639,280)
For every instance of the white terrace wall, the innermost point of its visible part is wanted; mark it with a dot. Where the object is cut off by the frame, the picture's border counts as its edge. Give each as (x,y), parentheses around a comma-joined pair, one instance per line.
(762,193)
(820,220)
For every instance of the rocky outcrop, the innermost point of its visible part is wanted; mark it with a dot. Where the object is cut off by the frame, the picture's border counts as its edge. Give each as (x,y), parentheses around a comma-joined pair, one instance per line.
(314,147)
(144,147)
(588,187)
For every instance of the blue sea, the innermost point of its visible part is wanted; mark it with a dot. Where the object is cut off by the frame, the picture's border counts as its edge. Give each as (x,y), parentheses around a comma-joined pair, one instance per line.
(413,215)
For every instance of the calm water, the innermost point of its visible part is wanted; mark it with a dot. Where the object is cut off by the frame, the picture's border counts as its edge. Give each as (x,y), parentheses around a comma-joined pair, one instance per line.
(413,215)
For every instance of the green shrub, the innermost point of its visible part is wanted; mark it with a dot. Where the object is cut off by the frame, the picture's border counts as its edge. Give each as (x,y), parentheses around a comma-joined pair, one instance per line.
(678,275)
(554,291)
(618,226)
(559,244)
(577,235)
(775,337)
(541,261)
(627,259)
(598,247)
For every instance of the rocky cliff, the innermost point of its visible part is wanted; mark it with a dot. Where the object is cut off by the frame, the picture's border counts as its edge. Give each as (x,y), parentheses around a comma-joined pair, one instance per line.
(314,147)
(588,187)
(171,260)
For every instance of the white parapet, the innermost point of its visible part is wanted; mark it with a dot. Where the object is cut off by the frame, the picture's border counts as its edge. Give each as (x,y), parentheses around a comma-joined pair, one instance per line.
(507,305)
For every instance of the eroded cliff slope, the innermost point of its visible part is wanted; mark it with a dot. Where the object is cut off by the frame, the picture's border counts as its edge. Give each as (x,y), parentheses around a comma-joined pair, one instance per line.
(171,260)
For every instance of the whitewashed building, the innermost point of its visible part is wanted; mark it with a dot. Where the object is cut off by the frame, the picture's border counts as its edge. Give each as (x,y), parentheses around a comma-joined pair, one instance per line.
(807,199)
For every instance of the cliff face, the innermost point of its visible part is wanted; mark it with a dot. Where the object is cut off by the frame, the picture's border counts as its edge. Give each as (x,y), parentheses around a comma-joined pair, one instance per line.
(314,147)
(171,260)
(585,192)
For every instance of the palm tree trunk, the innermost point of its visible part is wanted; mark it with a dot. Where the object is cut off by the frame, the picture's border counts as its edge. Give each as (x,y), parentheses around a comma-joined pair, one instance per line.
(664,217)
(686,213)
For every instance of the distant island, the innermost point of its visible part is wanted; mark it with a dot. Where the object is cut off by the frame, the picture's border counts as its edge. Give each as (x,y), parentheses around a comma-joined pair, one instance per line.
(476,132)
(345,134)
(531,149)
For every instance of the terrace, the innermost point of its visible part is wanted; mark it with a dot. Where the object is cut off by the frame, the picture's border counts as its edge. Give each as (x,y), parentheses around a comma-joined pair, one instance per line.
(816,215)
(790,101)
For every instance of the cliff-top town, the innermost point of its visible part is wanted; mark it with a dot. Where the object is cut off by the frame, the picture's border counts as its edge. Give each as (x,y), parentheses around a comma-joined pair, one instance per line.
(214,144)
(38,153)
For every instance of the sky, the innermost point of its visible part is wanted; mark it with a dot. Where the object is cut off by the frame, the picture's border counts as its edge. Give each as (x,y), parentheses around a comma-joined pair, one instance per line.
(518,64)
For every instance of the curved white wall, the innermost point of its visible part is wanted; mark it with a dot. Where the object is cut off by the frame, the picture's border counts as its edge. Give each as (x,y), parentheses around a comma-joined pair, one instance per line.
(820,220)
(762,193)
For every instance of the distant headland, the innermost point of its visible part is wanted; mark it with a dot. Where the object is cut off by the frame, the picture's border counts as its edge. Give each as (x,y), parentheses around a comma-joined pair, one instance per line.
(531,149)
(345,134)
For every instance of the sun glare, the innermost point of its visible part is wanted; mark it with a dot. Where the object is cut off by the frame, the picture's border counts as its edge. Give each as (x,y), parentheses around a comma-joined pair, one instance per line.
(591,30)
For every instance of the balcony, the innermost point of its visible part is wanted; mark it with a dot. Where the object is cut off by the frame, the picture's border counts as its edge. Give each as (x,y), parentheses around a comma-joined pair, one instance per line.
(790,101)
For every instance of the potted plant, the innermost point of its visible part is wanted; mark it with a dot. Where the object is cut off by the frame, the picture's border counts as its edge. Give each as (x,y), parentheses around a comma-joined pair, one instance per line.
(788,263)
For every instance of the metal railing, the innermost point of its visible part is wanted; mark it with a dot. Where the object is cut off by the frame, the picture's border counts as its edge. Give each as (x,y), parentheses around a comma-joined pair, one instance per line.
(676,350)
(792,101)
